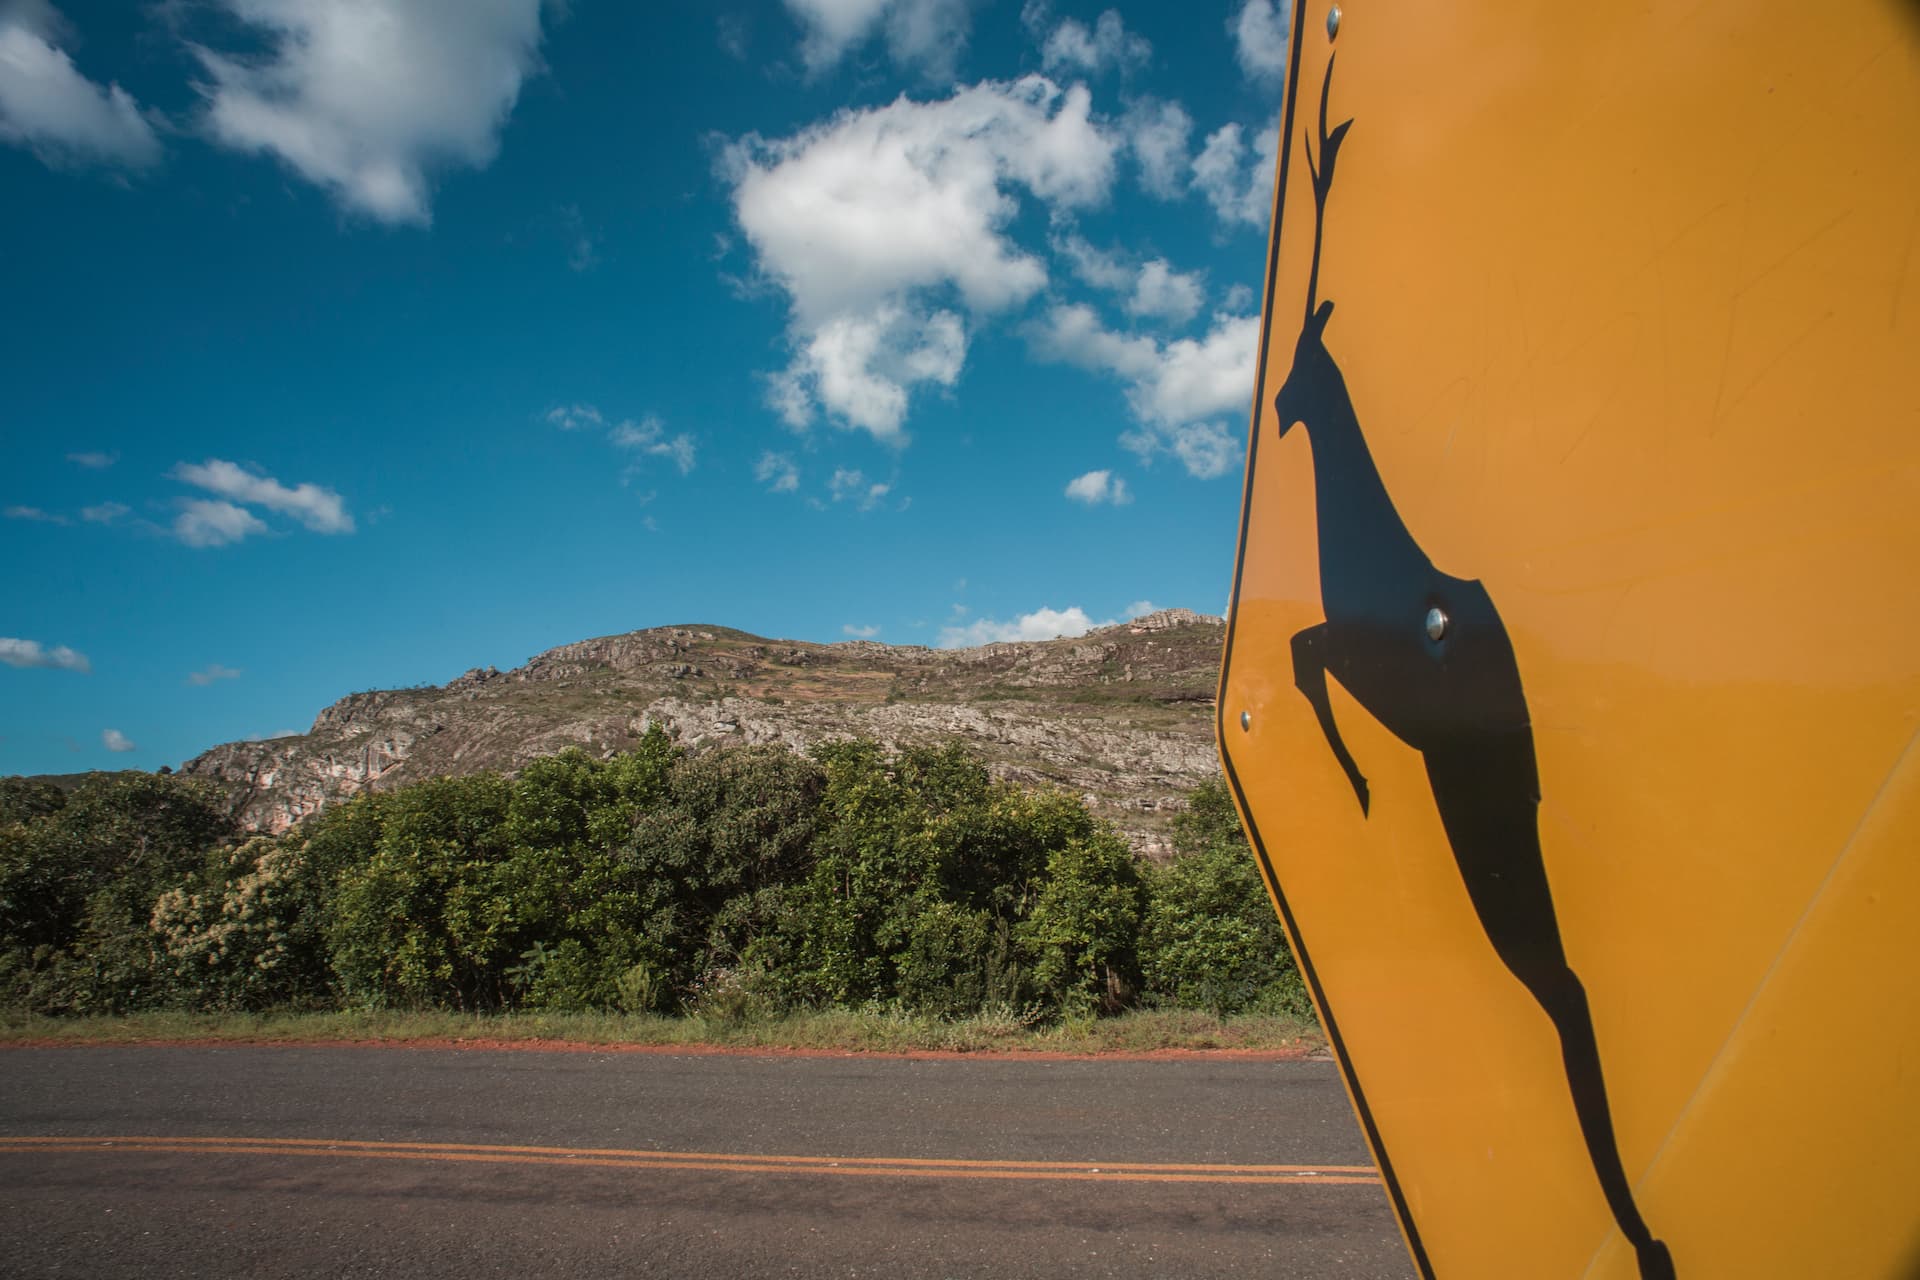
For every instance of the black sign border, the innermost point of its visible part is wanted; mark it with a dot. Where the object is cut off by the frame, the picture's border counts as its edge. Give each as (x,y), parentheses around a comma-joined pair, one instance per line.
(1394,1191)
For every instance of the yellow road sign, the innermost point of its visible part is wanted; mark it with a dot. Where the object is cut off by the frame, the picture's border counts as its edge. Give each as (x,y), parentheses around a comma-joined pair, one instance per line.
(1572,685)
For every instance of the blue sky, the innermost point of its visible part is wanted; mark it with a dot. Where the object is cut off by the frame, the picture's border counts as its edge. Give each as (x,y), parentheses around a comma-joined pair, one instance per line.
(349,344)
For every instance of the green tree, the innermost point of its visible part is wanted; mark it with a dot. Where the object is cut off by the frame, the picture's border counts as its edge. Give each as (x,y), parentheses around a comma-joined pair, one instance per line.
(24,799)
(569,823)
(669,870)
(924,877)
(1083,929)
(429,919)
(246,932)
(78,884)
(946,966)
(339,838)
(992,856)
(736,832)
(851,911)
(1210,938)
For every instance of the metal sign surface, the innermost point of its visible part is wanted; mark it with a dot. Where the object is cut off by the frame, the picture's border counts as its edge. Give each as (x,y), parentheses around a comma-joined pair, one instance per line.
(1572,685)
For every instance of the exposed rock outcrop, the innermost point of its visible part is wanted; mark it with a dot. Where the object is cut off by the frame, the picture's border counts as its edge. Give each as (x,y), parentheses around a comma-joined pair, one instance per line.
(1122,716)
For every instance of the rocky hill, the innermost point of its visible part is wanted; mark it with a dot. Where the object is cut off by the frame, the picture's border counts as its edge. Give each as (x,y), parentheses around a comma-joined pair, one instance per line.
(1122,715)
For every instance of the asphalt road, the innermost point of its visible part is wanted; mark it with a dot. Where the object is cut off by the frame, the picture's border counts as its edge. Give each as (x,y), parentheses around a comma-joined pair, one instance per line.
(352,1161)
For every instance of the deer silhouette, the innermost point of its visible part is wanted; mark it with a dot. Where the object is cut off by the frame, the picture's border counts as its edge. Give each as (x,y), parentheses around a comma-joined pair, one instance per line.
(1428,657)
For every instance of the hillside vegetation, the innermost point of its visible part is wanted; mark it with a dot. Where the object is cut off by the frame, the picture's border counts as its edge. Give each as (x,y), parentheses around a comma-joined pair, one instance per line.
(732,883)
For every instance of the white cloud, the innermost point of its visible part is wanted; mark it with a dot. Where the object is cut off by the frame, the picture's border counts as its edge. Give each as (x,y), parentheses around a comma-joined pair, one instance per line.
(28,653)
(1157,134)
(1097,267)
(114,740)
(202,523)
(369,98)
(1073,333)
(1108,46)
(832,27)
(38,16)
(1140,609)
(214,671)
(94,460)
(1239,297)
(870,221)
(860,633)
(852,486)
(575,417)
(777,472)
(790,396)
(1239,187)
(1171,388)
(1041,624)
(47,106)
(104,512)
(1152,289)
(1181,381)
(649,436)
(1097,487)
(1261,31)
(35,514)
(1205,449)
(314,506)
(1161,291)
(857,210)
(927,34)
(864,367)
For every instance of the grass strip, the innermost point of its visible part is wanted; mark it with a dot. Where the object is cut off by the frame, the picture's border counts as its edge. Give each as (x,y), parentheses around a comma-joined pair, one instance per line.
(841,1030)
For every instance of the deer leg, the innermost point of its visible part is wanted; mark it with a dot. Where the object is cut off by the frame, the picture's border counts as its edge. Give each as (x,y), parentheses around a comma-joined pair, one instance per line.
(1487,790)
(1310,677)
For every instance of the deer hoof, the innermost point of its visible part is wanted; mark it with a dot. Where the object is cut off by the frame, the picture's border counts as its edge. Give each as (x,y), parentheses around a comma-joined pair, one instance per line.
(1366,797)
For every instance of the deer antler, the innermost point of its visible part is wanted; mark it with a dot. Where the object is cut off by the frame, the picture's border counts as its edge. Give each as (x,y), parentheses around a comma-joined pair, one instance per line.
(1322,180)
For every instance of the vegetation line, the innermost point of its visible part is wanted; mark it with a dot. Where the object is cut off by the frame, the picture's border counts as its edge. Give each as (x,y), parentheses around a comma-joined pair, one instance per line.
(850,898)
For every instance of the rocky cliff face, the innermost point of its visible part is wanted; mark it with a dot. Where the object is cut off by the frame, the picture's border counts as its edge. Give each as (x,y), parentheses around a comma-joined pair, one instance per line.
(1122,716)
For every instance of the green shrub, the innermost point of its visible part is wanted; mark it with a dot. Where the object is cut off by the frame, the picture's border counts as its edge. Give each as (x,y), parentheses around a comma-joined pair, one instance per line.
(426,920)
(694,881)
(1082,931)
(731,883)
(639,989)
(246,932)
(579,901)
(853,911)
(943,969)
(78,882)
(24,799)
(732,996)
(1210,939)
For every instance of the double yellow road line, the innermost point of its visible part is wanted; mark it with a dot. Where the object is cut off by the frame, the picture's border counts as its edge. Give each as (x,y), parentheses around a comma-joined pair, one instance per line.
(598,1157)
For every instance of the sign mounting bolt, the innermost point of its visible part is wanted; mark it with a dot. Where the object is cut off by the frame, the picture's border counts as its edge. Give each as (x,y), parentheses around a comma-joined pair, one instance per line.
(1333,22)
(1246,721)
(1436,623)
